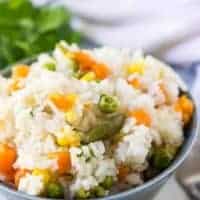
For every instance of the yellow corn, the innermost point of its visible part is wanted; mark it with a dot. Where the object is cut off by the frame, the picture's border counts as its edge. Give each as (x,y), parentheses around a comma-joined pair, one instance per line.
(90,76)
(71,116)
(137,67)
(68,138)
(44,173)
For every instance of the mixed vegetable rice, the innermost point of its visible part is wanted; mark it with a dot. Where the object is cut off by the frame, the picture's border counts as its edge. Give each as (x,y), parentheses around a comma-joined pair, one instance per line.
(89,122)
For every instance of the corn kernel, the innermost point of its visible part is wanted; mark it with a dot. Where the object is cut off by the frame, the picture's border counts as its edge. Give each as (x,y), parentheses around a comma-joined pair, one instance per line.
(90,76)
(71,116)
(45,174)
(137,67)
(68,138)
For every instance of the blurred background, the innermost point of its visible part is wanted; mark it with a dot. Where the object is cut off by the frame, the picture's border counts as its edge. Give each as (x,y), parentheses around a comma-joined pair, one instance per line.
(170,30)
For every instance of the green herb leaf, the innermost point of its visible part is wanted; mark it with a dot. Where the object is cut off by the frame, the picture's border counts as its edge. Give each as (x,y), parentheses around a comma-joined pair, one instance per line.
(26,30)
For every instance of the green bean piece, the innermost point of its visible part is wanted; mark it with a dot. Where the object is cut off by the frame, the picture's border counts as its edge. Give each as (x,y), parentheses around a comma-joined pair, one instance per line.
(104,129)
(108,104)
(55,190)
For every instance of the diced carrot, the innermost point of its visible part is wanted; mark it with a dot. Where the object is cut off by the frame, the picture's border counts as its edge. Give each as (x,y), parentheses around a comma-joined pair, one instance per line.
(101,70)
(87,63)
(141,116)
(20,71)
(63,102)
(63,161)
(7,158)
(84,60)
(123,172)
(19,174)
(185,106)
(135,83)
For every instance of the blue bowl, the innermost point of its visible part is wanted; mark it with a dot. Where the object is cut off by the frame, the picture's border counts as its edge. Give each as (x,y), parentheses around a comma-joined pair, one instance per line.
(145,191)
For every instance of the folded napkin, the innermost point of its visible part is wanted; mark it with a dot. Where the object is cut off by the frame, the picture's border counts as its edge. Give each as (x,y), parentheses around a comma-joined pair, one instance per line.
(168,29)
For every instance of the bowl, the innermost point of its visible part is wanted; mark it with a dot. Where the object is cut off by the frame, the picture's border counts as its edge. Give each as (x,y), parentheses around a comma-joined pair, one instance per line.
(145,191)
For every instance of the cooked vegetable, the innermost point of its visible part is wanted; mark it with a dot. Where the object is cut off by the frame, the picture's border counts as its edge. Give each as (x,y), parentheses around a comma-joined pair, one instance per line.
(185,106)
(55,190)
(20,71)
(72,120)
(135,83)
(101,71)
(44,173)
(7,158)
(63,102)
(68,138)
(141,116)
(87,63)
(108,104)
(63,161)
(82,194)
(26,29)
(99,191)
(162,156)
(90,76)
(71,117)
(137,67)
(107,183)
(104,129)
(84,60)
(50,66)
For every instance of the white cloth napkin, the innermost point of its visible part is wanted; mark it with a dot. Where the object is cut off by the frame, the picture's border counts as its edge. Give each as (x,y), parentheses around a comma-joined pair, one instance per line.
(169,29)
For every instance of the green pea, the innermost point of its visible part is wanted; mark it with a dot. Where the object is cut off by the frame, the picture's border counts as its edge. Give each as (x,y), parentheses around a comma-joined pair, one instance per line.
(107,183)
(163,156)
(108,104)
(82,194)
(55,190)
(99,191)
(50,66)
